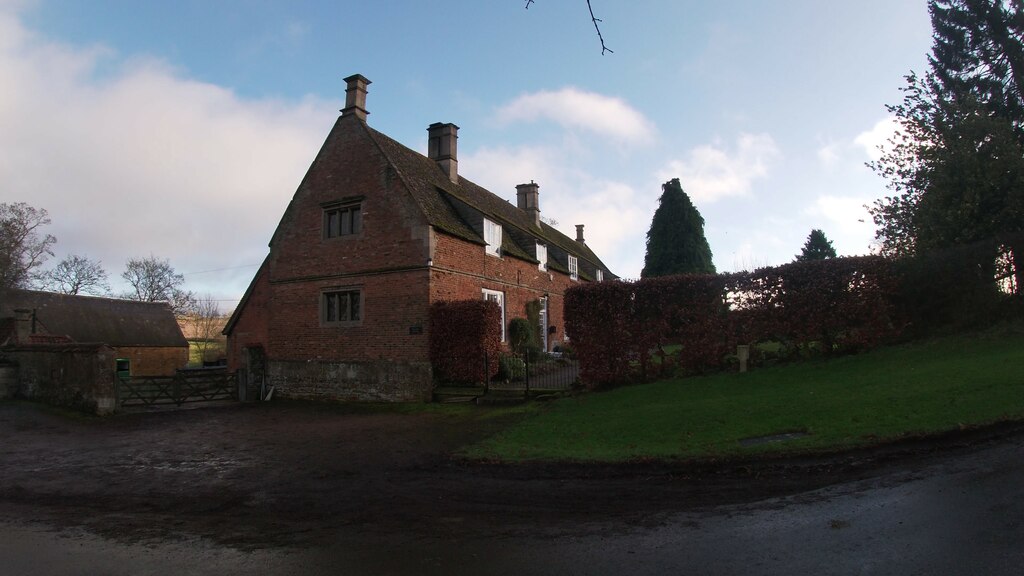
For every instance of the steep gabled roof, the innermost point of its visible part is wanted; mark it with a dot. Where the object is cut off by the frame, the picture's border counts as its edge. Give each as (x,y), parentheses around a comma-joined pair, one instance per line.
(435,193)
(237,313)
(91,319)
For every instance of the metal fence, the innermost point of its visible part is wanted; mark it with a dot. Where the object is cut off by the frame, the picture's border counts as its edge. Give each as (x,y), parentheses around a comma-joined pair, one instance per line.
(527,371)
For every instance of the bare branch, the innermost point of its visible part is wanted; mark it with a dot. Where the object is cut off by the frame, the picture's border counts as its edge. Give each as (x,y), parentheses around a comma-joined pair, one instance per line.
(596,27)
(22,248)
(202,320)
(154,280)
(76,275)
(593,19)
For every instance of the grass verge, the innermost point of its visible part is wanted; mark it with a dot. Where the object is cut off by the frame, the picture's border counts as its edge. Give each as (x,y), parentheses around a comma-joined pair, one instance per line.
(915,389)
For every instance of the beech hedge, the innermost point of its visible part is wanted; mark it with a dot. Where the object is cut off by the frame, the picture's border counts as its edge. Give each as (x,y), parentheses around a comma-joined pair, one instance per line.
(465,340)
(623,331)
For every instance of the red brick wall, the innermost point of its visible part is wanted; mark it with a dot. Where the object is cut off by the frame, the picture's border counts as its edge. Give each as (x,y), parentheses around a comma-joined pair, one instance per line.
(462,269)
(392,304)
(251,326)
(394,232)
(386,260)
(153,361)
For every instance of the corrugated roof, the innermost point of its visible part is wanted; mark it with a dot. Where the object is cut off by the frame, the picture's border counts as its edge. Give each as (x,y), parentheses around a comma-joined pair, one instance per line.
(91,319)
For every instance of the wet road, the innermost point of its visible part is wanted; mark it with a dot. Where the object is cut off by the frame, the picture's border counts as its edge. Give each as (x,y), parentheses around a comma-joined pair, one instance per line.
(960,513)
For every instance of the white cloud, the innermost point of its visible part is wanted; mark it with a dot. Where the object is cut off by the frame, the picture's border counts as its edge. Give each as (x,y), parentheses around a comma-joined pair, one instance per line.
(711,172)
(873,140)
(614,214)
(139,160)
(845,220)
(575,109)
(828,154)
(847,213)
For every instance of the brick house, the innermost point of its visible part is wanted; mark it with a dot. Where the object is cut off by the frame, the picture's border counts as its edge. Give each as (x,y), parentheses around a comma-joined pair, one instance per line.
(374,234)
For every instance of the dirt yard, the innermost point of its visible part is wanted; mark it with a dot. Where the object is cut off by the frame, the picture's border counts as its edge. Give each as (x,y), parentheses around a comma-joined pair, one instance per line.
(295,474)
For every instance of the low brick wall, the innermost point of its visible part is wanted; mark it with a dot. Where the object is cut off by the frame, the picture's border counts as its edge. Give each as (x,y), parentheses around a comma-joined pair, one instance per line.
(74,376)
(379,381)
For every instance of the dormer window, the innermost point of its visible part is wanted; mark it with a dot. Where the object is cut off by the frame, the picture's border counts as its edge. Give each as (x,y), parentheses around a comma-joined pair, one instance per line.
(600,275)
(574,268)
(542,256)
(492,235)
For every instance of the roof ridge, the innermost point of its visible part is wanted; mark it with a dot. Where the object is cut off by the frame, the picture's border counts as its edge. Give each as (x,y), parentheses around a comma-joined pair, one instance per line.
(462,191)
(92,297)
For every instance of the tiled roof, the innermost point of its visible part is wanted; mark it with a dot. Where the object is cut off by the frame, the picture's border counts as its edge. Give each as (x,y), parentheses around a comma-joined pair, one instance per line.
(90,319)
(435,194)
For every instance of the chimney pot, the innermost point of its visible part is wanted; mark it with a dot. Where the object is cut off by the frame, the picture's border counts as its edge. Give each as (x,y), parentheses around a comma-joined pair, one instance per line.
(355,97)
(528,200)
(579,233)
(442,147)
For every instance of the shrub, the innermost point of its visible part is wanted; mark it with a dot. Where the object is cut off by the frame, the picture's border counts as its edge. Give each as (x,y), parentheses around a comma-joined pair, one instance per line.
(522,335)
(465,340)
(511,367)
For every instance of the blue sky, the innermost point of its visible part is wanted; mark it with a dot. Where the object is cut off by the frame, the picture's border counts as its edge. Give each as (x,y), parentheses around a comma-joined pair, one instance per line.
(181,129)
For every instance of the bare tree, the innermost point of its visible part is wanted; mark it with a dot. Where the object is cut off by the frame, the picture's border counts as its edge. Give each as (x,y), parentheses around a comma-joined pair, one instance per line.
(202,319)
(76,275)
(593,19)
(22,248)
(154,280)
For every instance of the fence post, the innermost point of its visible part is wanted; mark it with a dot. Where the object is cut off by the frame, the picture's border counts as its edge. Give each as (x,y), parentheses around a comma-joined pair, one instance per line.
(526,377)
(176,388)
(487,373)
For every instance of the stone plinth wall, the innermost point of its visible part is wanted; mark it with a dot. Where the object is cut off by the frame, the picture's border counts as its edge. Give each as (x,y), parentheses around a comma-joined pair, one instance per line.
(374,381)
(74,376)
(8,380)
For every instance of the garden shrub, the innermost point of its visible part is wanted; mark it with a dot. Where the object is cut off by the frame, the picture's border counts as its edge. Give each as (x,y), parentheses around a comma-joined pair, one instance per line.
(522,336)
(511,367)
(465,340)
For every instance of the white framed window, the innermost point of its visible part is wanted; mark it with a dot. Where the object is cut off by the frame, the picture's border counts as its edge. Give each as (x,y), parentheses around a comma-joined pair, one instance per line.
(492,235)
(542,256)
(499,299)
(574,268)
(600,275)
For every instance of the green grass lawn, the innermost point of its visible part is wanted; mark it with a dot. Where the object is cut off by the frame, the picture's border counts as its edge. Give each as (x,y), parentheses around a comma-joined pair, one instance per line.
(850,401)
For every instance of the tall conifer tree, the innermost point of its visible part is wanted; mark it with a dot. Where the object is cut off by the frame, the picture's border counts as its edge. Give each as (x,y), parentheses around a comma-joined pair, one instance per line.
(676,242)
(817,247)
(957,167)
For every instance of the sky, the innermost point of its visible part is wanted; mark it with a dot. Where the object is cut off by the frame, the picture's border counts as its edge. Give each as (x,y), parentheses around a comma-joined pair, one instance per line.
(181,130)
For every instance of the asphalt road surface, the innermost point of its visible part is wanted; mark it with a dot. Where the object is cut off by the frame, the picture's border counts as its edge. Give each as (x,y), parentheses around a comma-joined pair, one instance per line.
(955,511)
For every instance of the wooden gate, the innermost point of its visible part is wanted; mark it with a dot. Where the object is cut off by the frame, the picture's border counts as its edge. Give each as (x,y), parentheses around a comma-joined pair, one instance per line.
(185,387)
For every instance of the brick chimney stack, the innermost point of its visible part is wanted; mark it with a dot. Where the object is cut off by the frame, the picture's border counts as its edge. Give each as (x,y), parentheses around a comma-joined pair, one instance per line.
(579,234)
(355,97)
(528,196)
(24,324)
(442,147)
